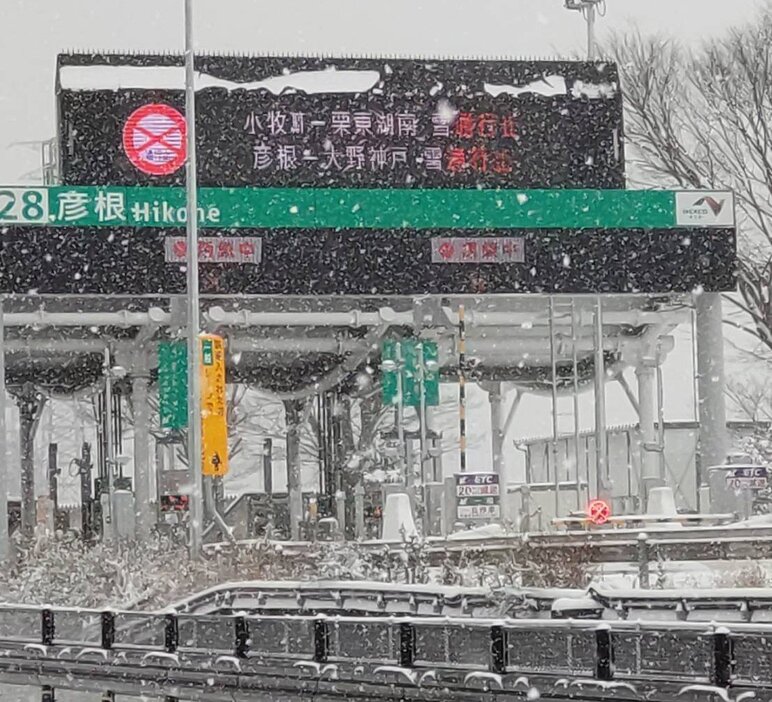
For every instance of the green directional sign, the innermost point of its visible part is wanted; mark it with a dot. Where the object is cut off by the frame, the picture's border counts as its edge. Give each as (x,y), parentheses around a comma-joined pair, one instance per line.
(173,384)
(409,366)
(317,208)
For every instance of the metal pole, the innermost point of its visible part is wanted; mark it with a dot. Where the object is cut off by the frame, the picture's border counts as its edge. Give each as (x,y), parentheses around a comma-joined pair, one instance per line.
(461,388)
(695,374)
(401,416)
(194,380)
(554,366)
(5,545)
(589,10)
(577,428)
(422,418)
(590,30)
(110,526)
(601,457)
(660,412)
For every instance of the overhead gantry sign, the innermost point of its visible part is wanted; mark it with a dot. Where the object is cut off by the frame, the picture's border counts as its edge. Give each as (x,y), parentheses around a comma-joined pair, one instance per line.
(316,241)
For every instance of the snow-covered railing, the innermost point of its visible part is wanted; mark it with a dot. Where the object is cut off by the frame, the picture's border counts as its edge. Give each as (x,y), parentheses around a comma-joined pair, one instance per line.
(351,598)
(669,652)
(391,599)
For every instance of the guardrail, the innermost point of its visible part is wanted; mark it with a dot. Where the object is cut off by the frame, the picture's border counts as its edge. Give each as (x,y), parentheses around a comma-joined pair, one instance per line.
(602,545)
(493,651)
(618,545)
(385,599)
(354,598)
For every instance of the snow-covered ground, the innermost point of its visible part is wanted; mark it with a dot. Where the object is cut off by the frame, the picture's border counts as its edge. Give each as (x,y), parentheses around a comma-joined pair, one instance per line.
(62,572)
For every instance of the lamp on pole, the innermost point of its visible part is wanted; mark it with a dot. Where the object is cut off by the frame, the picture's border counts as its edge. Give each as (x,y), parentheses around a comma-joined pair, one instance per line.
(591,9)
(194,351)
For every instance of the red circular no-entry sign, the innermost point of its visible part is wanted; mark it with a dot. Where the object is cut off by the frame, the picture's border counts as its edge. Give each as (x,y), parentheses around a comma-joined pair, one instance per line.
(598,512)
(154,139)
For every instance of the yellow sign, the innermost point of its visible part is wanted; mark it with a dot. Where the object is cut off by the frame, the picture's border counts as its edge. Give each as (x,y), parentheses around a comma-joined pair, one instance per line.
(214,423)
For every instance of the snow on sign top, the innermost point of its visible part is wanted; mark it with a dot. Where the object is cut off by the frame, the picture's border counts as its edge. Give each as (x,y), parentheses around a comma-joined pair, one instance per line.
(154,139)
(85,78)
(279,122)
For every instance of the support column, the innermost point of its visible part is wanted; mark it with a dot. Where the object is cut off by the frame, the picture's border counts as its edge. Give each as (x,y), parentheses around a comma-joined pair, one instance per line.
(30,404)
(710,382)
(650,477)
(142,478)
(292,410)
(5,544)
(601,450)
(497,430)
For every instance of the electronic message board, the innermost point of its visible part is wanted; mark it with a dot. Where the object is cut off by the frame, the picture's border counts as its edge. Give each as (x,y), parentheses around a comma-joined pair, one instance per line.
(335,122)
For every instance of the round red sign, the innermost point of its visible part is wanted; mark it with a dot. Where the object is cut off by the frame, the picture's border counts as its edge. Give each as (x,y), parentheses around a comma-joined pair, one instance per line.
(154,139)
(598,512)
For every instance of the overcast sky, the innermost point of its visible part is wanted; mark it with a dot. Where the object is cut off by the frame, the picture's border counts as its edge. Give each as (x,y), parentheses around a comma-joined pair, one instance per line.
(35,30)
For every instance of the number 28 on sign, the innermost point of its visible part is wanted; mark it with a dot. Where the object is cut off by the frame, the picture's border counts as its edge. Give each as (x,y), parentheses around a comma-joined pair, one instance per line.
(23,205)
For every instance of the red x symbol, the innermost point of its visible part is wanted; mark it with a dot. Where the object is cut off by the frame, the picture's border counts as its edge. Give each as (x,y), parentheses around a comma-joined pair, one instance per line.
(153,139)
(139,139)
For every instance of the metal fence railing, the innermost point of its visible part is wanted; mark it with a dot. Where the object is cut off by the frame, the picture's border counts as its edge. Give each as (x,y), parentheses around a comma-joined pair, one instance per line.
(654,651)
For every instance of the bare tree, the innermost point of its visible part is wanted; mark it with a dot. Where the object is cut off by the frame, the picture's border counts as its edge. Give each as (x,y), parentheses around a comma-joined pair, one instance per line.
(752,399)
(250,418)
(702,120)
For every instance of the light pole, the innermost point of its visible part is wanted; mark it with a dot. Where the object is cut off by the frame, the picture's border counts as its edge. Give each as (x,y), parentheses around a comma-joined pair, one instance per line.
(591,9)
(194,379)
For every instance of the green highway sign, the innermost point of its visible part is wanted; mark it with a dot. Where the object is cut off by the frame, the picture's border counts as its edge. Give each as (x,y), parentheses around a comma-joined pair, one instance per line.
(173,384)
(410,369)
(360,208)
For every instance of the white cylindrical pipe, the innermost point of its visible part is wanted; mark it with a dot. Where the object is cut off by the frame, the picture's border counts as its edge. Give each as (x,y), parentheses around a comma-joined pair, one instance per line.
(647,421)
(711,381)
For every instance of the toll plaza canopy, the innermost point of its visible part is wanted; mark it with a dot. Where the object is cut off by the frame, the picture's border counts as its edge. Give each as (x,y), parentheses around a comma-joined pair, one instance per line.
(334,194)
